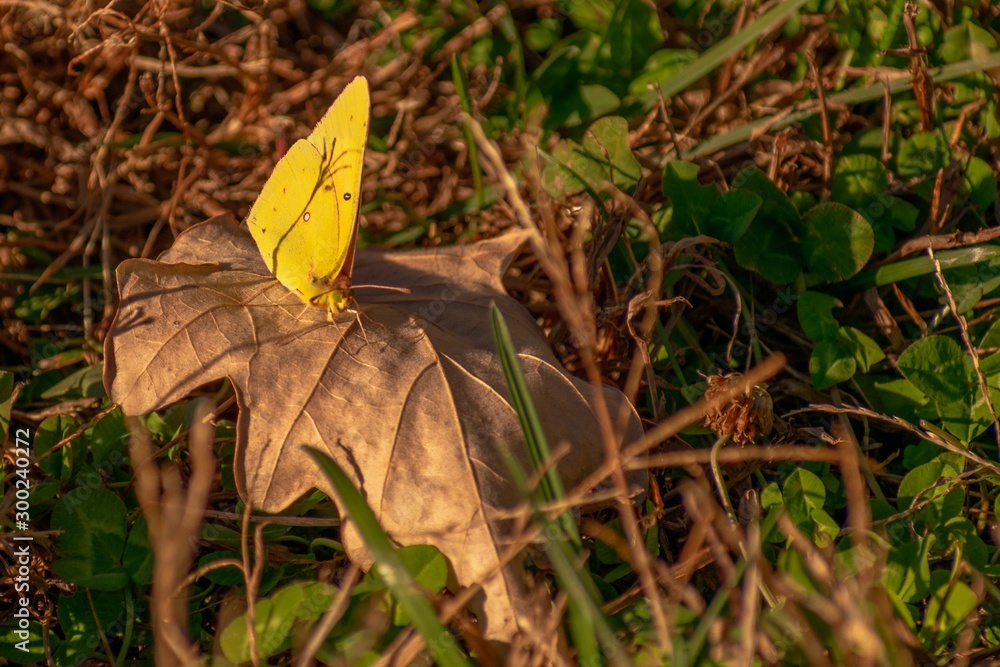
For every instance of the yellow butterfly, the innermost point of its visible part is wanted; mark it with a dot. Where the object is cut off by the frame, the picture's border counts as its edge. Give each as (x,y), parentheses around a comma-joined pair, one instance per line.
(305,220)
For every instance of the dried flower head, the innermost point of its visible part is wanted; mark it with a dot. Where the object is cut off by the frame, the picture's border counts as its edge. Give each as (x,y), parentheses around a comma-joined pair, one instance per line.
(744,417)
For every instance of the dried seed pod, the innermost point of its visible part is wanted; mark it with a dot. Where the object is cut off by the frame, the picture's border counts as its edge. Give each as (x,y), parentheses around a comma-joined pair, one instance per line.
(744,417)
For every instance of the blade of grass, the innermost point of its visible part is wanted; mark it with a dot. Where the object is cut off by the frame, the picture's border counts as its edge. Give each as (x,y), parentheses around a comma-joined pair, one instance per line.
(921,266)
(129,626)
(722,597)
(64,274)
(390,566)
(849,97)
(586,624)
(6,402)
(462,88)
(563,545)
(721,51)
(534,436)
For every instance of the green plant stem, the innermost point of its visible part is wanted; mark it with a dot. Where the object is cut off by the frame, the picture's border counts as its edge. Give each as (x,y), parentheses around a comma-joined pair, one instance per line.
(668,349)
(100,630)
(720,483)
(728,505)
(129,626)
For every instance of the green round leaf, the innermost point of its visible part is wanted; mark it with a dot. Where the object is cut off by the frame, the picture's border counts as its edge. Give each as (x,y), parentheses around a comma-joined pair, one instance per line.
(980,182)
(947,611)
(23,646)
(936,366)
(603,157)
(803,492)
(908,570)
(920,482)
(816,315)
(770,245)
(691,200)
(966,41)
(108,440)
(229,575)
(830,364)
(427,565)
(865,350)
(138,556)
(837,243)
(276,617)
(766,248)
(92,521)
(857,179)
(49,434)
(732,214)
(922,155)
(81,628)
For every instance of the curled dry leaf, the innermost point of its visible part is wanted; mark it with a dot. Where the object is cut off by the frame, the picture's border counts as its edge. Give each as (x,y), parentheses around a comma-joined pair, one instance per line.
(407,395)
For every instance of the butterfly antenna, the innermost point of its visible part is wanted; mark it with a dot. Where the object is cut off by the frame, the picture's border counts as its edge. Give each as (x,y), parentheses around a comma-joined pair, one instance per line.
(402,290)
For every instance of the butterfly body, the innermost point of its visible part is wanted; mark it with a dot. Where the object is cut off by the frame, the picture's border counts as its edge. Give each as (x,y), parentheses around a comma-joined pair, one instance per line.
(305,219)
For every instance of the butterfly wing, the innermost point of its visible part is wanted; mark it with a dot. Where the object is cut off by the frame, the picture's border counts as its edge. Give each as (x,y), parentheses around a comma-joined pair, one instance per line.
(290,220)
(343,133)
(305,219)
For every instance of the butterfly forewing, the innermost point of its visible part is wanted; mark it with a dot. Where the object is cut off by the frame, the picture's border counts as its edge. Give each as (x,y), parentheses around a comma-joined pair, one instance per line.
(341,136)
(290,218)
(305,219)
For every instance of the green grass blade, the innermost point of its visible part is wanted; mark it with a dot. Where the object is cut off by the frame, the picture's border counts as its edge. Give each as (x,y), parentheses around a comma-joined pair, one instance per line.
(390,566)
(921,266)
(586,622)
(848,97)
(6,402)
(534,436)
(721,51)
(462,88)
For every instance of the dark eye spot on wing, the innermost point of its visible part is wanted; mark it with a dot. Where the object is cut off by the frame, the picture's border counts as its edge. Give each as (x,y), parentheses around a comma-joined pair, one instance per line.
(306,216)
(347,196)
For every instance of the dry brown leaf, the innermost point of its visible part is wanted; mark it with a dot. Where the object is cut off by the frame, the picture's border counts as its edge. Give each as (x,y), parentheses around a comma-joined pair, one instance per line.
(408,396)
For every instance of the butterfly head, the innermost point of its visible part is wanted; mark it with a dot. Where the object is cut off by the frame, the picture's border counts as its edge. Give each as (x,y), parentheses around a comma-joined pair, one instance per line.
(336,297)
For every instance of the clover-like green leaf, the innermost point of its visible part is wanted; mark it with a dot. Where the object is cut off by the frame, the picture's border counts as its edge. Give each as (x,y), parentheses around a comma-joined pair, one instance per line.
(92,521)
(604,157)
(936,365)
(837,242)
(831,363)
